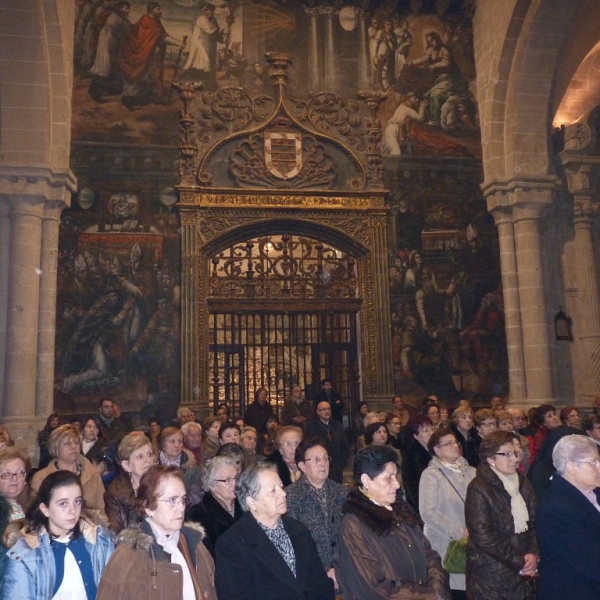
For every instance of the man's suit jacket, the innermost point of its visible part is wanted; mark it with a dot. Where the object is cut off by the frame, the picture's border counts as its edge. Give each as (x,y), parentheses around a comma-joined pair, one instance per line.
(249,566)
(568,532)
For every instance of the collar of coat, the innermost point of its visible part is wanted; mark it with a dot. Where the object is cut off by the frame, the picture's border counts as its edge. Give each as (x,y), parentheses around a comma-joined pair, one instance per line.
(89,524)
(485,471)
(377,518)
(141,537)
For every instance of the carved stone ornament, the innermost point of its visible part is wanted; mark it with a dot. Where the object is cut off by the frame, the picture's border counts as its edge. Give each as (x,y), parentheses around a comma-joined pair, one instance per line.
(577,136)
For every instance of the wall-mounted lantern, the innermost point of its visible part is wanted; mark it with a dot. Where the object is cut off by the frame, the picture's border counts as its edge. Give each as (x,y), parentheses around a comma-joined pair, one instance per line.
(563,326)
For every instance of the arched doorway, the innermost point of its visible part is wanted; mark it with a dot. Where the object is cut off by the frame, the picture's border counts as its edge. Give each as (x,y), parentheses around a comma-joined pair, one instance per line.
(282,311)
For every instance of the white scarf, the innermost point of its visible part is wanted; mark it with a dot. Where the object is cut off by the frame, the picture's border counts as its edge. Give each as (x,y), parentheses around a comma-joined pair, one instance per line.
(518,508)
(169,545)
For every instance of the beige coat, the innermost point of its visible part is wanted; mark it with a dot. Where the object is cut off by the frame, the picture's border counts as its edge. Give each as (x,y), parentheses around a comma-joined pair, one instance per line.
(91,482)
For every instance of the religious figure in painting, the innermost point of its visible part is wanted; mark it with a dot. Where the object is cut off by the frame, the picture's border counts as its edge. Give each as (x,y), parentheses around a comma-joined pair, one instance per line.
(203,46)
(142,59)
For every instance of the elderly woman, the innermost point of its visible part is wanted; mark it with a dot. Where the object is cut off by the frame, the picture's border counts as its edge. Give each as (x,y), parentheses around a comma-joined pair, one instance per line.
(90,434)
(64,446)
(62,551)
(136,456)
(592,427)
(442,494)
(382,552)
(571,416)
(500,507)
(466,434)
(210,432)
(219,509)
(568,523)
(416,457)
(229,433)
(162,559)
(172,453)
(432,410)
(288,438)
(266,554)
(368,419)
(317,501)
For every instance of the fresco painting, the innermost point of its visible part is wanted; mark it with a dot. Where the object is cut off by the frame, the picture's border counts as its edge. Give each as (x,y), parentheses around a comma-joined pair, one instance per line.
(118,300)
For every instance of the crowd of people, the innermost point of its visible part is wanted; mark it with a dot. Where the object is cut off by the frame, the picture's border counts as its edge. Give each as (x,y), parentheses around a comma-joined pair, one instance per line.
(488,504)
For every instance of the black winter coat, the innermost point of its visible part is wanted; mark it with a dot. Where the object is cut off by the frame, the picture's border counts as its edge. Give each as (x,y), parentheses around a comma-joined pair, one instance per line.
(495,553)
(334,439)
(470,447)
(214,519)
(568,530)
(415,460)
(250,567)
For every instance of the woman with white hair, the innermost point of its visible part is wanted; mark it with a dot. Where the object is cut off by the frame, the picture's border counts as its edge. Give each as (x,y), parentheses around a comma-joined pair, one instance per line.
(568,523)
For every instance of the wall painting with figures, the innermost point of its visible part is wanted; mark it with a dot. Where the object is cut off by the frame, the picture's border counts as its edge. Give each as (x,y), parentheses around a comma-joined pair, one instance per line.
(118,301)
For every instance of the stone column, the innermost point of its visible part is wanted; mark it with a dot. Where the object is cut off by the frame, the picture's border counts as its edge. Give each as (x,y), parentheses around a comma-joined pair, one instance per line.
(331,65)
(314,63)
(47,309)
(512,306)
(26,213)
(365,80)
(4,268)
(536,344)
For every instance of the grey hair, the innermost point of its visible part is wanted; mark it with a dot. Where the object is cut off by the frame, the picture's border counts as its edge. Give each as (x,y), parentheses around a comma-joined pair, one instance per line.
(181,410)
(572,448)
(248,483)
(185,428)
(371,417)
(212,467)
(248,429)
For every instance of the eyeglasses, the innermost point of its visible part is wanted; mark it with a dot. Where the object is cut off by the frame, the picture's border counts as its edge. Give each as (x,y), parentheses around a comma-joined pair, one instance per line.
(509,454)
(228,481)
(595,463)
(174,501)
(18,475)
(292,444)
(489,424)
(454,443)
(318,459)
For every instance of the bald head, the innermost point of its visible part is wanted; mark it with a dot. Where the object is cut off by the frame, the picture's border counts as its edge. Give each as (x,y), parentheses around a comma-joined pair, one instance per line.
(324,410)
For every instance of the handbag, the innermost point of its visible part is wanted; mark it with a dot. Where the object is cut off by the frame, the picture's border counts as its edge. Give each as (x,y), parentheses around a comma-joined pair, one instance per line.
(455,560)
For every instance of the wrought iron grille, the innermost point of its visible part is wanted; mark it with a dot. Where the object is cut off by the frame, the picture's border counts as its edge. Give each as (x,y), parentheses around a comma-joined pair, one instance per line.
(279,350)
(283,266)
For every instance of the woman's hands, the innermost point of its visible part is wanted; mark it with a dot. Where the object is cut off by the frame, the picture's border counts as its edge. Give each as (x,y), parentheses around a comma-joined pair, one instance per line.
(530,566)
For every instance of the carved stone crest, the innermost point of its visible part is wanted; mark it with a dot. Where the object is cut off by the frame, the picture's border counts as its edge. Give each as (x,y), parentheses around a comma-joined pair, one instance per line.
(283,153)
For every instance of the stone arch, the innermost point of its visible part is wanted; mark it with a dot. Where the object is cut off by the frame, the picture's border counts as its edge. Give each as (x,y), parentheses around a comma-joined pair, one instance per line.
(36,83)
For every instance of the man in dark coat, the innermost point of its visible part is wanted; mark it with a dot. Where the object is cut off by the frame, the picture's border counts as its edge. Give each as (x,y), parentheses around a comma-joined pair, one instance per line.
(258,412)
(266,554)
(333,397)
(568,524)
(334,439)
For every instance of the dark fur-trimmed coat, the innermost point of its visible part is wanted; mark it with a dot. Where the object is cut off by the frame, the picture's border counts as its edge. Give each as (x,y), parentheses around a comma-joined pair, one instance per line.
(304,505)
(140,569)
(383,554)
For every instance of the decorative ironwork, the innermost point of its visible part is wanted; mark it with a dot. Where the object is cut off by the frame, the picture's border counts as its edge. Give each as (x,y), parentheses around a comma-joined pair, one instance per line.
(282,266)
(329,113)
(250,165)
(374,161)
(188,147)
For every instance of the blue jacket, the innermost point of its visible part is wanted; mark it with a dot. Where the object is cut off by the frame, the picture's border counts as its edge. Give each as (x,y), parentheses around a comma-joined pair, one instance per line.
(568,532)
(29,568)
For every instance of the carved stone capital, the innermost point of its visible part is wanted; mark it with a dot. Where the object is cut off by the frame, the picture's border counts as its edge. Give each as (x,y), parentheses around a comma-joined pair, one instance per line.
(584,212)
(312,11)
(582,174)
(41,182)
(361,13)
(329,11)
(524,190)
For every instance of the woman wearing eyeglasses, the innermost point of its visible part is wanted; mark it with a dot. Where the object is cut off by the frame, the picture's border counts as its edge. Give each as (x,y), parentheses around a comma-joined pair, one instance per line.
(442,494)
(317,501)
(502,551)
(219,508)
(287,439)
(162,559)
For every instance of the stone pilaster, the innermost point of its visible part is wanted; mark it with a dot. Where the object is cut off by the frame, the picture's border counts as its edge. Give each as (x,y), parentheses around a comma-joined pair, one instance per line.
(4,269)
(331,69)
(512,305)
(314,63)
(47,308)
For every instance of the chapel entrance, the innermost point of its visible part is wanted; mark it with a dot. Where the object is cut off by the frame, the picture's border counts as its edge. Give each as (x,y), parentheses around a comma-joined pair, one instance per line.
(294,320)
